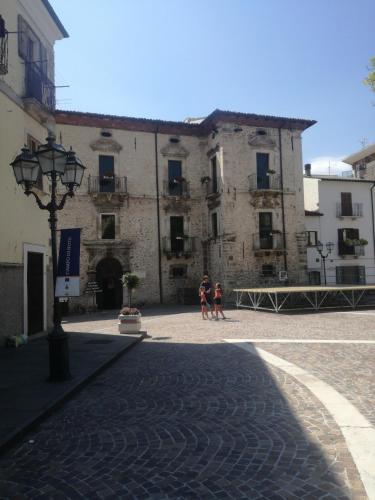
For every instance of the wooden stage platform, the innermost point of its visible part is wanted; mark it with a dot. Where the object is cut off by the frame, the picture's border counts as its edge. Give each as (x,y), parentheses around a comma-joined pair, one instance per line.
(295,298)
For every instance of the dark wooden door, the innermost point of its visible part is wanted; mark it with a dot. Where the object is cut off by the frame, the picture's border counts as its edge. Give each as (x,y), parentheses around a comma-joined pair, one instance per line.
(108,277)
(263,180)
(177,234)
(34,292)
(106,174)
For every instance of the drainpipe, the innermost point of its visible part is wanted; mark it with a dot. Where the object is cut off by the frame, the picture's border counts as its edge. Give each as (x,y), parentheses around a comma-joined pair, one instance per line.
(158,213)
(372,215)
(282,200)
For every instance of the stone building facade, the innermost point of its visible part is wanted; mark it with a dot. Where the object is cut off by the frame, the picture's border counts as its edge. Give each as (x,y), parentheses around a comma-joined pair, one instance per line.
(171,200)
(28,32)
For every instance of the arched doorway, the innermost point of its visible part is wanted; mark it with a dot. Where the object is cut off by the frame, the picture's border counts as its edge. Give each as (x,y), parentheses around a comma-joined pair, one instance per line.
(108,276)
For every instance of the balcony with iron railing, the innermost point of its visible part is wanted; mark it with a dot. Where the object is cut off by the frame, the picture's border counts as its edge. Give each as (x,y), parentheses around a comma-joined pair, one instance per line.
(107,184)
(270,182)
(268,242)
(177,188)
(354,210)
(348,250)
(178,246)
(39,87)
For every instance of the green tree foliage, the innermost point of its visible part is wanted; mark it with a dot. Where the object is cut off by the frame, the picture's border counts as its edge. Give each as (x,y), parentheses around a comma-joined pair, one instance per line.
(370,80)
(131,282)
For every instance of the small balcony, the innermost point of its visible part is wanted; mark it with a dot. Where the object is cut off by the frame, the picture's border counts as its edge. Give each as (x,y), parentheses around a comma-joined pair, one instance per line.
(351,251)
(107,184)
(106,190)
(271,242)
(39,87)
(178,246)
(178,188)
(354,210)
(270,182)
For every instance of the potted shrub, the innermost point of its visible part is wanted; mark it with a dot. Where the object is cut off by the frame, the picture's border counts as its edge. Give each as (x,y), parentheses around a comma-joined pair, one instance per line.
(130,317)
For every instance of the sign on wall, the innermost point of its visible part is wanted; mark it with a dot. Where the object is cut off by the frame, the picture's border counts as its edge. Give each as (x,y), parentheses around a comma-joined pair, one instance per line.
(67,282)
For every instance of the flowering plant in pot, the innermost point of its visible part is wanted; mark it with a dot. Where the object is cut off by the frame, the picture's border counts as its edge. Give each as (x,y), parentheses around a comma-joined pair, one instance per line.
(130,317)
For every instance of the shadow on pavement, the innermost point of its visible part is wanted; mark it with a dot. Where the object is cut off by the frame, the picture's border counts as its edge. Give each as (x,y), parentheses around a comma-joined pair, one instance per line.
(178,420)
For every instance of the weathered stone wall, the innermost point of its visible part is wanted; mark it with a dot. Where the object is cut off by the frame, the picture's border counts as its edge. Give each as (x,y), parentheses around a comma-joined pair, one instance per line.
(230,257)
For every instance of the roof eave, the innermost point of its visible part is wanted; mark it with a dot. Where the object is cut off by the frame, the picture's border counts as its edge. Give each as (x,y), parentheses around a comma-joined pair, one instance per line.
(55,18)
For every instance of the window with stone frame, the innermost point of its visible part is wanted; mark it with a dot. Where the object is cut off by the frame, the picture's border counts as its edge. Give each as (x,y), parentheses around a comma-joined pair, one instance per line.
(108,226)
(178,271)
(33,145)
(312,238)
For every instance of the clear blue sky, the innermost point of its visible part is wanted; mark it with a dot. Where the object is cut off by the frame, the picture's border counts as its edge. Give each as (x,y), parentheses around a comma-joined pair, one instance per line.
(170,59)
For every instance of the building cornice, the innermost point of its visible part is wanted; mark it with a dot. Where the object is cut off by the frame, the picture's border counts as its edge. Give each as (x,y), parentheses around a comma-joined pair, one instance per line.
(77,118)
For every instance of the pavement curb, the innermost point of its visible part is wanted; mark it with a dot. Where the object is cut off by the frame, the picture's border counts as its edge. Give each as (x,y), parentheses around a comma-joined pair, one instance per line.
(21,431)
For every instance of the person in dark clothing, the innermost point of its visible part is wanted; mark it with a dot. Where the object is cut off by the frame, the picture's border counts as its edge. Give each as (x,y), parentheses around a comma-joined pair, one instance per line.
(207,287)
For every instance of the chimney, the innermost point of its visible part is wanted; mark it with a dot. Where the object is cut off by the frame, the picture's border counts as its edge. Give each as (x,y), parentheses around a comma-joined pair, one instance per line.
(308,169)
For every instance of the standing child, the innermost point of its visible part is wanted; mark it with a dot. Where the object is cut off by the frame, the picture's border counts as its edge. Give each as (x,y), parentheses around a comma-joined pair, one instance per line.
(202,295)
(218,301)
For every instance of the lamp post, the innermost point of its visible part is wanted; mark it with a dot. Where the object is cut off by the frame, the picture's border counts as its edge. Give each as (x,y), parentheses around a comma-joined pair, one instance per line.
(329,248)
(56,164)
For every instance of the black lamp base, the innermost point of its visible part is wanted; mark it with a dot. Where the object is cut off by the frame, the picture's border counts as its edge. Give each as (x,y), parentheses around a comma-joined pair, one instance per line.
(59,369)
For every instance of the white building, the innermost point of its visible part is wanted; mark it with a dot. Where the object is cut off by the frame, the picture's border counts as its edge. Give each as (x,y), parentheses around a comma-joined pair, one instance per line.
(363,163)
(339,210)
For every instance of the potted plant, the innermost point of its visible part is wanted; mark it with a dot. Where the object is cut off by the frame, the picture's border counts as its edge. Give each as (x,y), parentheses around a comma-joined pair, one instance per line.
(130,317)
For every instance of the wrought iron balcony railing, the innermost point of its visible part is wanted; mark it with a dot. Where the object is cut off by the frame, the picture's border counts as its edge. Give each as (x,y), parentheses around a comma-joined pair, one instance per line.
(270,241)
(178,245)
(39,86)
(347,250)
(268,183)
(107,184)
(353,210)
(176,187)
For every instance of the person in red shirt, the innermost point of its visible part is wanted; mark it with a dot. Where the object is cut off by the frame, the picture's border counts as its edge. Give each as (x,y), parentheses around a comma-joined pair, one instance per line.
(218,298)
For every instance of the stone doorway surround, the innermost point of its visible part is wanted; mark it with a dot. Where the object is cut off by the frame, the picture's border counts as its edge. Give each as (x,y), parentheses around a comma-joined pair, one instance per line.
(100,250)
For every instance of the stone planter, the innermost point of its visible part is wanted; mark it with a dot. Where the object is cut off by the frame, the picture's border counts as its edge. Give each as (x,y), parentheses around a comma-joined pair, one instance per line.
(129,323)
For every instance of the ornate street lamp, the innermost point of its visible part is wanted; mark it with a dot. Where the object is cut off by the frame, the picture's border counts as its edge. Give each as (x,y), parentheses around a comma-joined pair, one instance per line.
(320,248)
(56,163)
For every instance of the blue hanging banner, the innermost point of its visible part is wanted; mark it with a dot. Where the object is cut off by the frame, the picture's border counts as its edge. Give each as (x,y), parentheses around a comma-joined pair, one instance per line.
(67,282)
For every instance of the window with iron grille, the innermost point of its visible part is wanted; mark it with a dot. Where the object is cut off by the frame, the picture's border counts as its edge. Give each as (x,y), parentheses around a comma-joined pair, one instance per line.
(268,270)
(178,271)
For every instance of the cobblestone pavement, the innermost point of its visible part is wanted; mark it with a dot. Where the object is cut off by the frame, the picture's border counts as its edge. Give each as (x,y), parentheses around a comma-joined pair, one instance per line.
(186,415)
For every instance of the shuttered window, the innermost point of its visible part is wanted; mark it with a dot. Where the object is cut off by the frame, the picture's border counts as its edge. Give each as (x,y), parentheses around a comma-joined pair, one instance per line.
(344,235)
(346,204)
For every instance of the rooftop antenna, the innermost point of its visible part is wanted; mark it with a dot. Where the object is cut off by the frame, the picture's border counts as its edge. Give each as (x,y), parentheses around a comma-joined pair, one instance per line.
(364,142)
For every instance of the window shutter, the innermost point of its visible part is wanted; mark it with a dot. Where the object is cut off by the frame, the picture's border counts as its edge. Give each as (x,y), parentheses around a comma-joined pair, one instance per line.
(346,204)
(362,275)
(341,241)
(22,37)
(339,276)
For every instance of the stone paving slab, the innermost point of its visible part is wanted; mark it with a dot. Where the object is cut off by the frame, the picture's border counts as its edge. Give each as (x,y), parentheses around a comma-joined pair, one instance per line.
(350,369)
(185,415)
(26,397)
